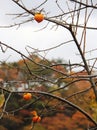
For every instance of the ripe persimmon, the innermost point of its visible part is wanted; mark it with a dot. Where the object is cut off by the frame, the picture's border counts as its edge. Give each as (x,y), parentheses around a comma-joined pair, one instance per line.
(34,113)
(36,119)
(27,96)
(39,17)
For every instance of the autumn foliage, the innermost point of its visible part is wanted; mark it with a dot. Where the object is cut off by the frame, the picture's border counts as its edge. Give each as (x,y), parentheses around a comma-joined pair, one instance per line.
(47,111)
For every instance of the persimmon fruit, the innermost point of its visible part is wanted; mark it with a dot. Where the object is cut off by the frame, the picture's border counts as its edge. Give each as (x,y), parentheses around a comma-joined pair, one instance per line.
(34,113)
(36,119)
(39,17)
(27,96)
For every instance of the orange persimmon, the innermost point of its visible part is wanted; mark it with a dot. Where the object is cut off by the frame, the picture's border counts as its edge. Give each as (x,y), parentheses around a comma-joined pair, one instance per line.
(36,119)
(34,113)
(39,17)
(27,96)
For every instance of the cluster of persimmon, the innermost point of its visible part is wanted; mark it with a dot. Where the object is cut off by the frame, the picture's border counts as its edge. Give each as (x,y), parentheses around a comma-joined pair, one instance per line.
(27,96)
(35,117)
(39,17)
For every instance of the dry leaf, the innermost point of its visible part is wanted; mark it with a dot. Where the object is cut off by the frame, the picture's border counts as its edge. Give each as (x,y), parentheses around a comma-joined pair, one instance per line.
(2,100)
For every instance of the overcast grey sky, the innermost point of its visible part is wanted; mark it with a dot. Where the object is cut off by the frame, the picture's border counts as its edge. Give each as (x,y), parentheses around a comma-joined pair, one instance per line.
(28,35)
